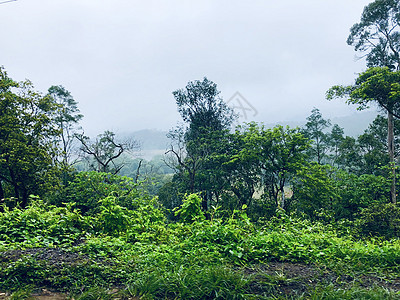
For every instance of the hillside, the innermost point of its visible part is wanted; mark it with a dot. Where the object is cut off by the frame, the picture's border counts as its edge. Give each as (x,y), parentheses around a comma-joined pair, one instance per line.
(154,142)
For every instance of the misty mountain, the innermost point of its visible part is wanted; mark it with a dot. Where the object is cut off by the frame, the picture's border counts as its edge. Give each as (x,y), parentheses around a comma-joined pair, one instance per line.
(353,125)
(155,142)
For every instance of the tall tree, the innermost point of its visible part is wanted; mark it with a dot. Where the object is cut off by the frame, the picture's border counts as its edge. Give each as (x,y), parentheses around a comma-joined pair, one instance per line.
(241,167)
(27,132)
(373,146)
(380,86)
(67,119)
(185,163)
(336,138)
(279,152)
(200,106)
(377,35)
(207,118)
(349,158)
(314,130)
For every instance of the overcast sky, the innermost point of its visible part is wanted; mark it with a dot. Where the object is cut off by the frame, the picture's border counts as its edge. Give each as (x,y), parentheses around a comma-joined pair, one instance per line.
(122,59)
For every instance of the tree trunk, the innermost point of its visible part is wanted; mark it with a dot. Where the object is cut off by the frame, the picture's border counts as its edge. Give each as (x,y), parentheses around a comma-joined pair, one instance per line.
(2,196)
(391,155)
(283,199)
(25,197)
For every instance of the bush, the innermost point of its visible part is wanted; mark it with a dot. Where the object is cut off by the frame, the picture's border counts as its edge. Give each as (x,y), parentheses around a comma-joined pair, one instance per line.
(88,188)
(381,220)
(190,209)
(323,193)
(113,218)
(42,225)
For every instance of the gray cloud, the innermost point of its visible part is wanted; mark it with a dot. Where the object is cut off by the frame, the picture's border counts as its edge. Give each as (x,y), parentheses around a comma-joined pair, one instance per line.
(122,59)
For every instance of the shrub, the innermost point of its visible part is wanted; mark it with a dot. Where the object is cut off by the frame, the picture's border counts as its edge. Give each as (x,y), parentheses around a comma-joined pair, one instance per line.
(382,220)
(42,225)
(88,188)
(190,209)
(113,218)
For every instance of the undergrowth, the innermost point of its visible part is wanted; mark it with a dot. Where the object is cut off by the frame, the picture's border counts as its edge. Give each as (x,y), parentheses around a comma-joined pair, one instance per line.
(138,253)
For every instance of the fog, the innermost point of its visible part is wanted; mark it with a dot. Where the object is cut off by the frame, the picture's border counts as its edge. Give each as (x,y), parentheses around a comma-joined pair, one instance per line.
(122,59)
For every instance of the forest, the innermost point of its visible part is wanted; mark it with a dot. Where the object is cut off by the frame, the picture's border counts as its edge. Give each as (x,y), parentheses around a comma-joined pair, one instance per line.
(229,212)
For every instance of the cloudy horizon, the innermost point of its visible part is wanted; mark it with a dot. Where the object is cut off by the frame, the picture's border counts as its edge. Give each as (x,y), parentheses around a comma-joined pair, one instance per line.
(121,60)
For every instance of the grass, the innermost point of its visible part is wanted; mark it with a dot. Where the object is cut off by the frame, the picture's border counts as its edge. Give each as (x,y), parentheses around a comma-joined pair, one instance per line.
(286,258)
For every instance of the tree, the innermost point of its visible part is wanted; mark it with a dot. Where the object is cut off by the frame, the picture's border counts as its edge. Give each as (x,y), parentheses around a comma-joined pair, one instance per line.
(377,35)
(183,162)
(86,189)
(241,167)
(103,152)
(336,138)
(314,130)
(279,151)
(368,153)
(200,106)
(314,189)
(67,119)
(207,119)
(373,146)
(27,132)
(381,86)
(349,155)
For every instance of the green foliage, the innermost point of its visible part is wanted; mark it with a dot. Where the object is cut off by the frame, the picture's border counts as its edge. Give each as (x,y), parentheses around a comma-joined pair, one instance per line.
(277,153)
(27,131)
(95,293)
(336,138)
(24,272)
(41,225)
(314,130)
(381,219)
(314,190)
(88,188)
(377,34)
(198,149)
(358,192)
(24,293)
(191,259)
(201,107)
(376,84)
(171,195)
(190,209)
(113,218)
(325,192)
(66,118)
(185,282)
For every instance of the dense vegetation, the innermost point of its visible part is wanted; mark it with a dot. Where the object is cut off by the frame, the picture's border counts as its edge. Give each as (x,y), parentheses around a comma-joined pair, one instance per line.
(244,212)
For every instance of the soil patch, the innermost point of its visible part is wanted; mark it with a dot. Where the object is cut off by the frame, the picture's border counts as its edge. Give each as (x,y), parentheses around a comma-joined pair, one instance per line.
(296,278)
(52,256)
(287,279)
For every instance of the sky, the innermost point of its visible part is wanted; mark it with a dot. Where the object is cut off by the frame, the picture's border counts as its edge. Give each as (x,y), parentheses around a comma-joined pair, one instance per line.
(122,59)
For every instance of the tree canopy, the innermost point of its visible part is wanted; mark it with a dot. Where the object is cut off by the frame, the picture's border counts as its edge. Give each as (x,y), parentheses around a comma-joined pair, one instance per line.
(27,132)
(377,35)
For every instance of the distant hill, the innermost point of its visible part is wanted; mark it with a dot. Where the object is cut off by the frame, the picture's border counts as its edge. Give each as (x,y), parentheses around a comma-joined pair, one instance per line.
(353,125)
(151,139)
(155,142)
(356,124)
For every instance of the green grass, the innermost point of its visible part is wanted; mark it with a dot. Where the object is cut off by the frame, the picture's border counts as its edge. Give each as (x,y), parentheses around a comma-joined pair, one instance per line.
(204,259)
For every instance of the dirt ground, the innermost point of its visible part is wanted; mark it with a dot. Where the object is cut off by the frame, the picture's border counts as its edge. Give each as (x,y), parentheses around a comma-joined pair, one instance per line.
(286,277)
